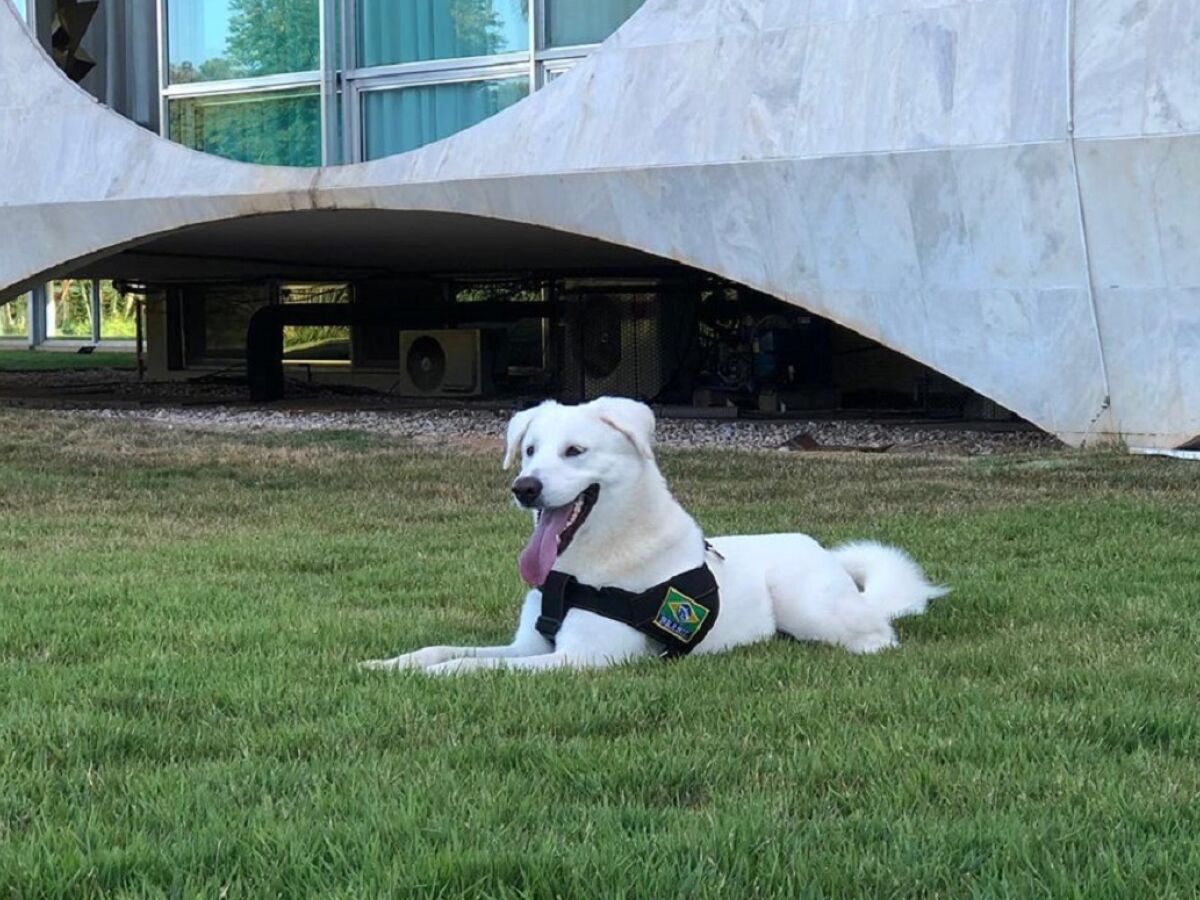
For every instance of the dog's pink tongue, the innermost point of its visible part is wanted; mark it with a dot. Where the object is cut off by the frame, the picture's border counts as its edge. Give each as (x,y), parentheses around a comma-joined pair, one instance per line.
(537,559)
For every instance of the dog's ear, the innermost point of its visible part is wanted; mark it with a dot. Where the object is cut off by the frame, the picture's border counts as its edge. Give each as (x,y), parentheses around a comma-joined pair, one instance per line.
(634,420)
(518,425)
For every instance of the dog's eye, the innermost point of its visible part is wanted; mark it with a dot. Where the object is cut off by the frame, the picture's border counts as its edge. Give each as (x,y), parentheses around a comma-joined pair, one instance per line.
(529,450)
(573,451)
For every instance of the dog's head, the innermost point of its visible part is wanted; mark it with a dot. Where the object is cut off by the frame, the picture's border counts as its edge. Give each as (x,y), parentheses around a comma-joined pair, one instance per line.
(574,461)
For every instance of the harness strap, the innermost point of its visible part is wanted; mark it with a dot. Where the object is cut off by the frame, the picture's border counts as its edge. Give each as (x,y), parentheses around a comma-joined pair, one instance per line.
(678,613)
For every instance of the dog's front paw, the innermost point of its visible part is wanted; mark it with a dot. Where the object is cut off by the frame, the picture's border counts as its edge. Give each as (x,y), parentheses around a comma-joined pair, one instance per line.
(418,659)
(460,666)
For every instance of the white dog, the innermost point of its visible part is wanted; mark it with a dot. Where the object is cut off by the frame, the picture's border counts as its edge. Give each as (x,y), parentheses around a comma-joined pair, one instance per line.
(603,514)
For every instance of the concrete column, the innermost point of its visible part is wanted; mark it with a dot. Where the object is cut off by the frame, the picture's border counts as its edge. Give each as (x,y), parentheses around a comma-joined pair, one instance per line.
(37,316)
(157,362)
(95,307)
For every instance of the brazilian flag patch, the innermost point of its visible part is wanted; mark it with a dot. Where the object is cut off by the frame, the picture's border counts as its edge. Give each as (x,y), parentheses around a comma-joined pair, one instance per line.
(680,615)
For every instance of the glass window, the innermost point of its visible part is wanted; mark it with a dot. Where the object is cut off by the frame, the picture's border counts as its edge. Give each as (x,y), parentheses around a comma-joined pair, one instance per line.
(216,319)
(398,120)
(69,309)
(401,31)
(118,314)
(270,127)
(327,344)
(14,318)
(209,40)
(571,22)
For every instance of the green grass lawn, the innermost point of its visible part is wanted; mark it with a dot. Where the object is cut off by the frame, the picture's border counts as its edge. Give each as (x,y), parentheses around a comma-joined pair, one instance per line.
(179,713)
(42,360)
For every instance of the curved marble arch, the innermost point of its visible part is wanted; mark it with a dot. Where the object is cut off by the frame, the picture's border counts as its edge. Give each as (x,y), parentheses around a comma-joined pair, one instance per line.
(1005,190)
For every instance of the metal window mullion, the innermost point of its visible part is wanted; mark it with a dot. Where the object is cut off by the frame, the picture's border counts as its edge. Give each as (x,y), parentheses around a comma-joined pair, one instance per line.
(323,50)
(164,123)
(353,107)
(468,64)
(369,83)
(575,52)
(535,14)
(348,11)
(257,84)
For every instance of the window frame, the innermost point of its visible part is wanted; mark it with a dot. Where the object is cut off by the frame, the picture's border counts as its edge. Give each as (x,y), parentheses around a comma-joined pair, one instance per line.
(164,42)
(394,81)
(310,89)
(341,82)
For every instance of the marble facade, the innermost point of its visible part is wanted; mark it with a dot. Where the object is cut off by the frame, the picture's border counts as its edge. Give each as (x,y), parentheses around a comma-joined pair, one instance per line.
(1005,190)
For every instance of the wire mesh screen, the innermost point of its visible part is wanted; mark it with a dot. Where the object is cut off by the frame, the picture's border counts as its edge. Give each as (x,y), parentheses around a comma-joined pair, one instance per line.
(627,344)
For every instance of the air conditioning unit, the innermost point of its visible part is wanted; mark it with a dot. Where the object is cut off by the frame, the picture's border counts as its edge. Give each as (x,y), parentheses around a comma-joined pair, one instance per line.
(448,363)
(622,344)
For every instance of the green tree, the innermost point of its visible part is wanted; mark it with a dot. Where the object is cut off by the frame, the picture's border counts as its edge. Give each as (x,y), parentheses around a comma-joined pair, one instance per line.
(14,318)
(216,69)
(271,36)
(271,128)
(477,27)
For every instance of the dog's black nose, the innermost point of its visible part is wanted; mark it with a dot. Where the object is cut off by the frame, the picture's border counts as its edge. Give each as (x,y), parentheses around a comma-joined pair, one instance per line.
(527,490)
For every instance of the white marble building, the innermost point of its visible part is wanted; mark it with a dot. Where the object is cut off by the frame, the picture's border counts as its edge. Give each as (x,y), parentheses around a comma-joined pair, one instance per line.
(1005,190)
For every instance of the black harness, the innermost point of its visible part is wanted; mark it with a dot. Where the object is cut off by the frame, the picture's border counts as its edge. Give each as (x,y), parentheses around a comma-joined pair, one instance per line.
(678,613)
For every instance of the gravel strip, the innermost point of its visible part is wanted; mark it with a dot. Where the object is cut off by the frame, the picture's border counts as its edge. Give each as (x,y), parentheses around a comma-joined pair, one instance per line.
(118,395)
(677,433)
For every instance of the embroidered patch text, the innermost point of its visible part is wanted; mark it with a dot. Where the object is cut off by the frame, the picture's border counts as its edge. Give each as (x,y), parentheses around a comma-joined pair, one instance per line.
(680,615)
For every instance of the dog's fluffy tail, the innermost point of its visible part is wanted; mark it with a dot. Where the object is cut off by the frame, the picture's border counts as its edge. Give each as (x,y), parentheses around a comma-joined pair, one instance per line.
(888,577)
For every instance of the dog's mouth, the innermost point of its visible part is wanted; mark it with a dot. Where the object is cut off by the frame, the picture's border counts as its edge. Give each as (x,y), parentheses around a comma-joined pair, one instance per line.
(555,529)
